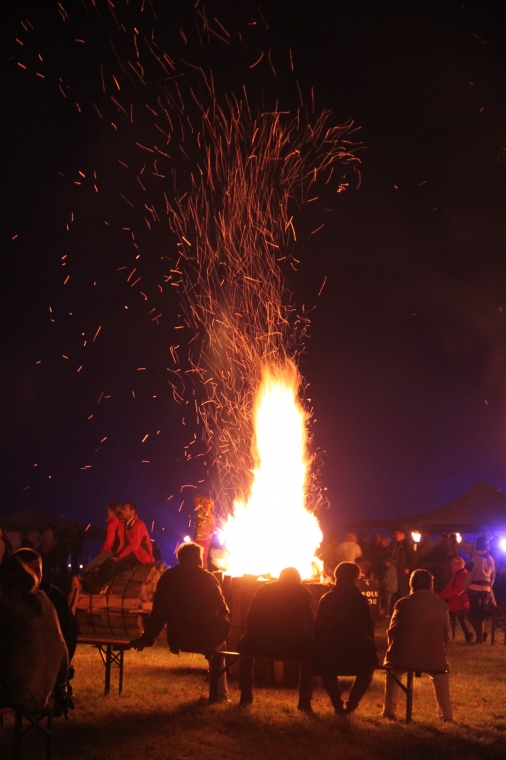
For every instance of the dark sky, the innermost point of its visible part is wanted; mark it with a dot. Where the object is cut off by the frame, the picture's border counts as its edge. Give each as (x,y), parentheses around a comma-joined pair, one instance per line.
(406,359)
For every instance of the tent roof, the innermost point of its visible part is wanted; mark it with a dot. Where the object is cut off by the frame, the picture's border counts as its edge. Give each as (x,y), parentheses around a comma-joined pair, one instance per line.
(479,509)
(35,518)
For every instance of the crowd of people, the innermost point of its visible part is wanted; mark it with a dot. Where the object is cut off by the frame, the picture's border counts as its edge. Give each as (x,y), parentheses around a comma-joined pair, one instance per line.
(420,588)
(55,545)
(472,586)
(281,624)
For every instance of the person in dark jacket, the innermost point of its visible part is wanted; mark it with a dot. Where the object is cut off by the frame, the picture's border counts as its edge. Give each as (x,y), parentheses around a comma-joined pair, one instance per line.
(280,625)
(344,639)
(189,600)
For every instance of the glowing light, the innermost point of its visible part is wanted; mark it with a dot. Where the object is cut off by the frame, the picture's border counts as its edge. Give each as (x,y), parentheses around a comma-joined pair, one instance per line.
(416,536)
(273,529)
(458,538)
(187,539)
(502,544)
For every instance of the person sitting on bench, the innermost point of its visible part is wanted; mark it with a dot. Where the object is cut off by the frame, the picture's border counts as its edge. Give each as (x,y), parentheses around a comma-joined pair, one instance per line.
(33,655)
(189,600)
(280,626)
(418,638)
(344,639)
(33,561)
(136,550)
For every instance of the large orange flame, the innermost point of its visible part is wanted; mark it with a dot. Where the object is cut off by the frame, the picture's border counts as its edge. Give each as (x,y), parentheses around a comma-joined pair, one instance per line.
(274,529)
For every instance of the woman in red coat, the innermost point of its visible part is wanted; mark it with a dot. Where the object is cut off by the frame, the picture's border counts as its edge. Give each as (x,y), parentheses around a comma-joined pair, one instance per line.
(456,597)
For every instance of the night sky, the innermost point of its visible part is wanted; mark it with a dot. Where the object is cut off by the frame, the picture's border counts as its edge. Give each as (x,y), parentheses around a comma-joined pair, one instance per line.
(406,358)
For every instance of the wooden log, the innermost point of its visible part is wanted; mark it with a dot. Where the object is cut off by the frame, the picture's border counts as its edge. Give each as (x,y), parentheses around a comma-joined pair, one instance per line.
(110,625)
(116,613)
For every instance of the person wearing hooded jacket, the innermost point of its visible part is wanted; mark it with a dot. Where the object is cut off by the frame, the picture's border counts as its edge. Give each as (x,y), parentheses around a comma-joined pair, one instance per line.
(33,654)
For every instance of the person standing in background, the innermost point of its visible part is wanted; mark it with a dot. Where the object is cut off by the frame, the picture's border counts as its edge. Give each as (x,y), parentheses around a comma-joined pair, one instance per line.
(389,586)
(456,597)
(344,639)
(348,550)
(478,583)
(403,556)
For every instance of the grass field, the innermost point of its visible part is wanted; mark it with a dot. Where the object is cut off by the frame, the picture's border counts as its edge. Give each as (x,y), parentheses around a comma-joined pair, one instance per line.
(160,716)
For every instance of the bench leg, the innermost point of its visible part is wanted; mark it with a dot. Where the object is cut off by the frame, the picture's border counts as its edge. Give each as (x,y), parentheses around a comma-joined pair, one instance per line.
(219,666)
(18,733)
(49,729)
(35,723)
(108,661)
(409,697)
(120,662)
(215,676)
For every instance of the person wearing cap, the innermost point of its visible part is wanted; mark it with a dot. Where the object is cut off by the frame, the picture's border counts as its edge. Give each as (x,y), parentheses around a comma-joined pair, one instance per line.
(478,583)
(456,597)
(418,638)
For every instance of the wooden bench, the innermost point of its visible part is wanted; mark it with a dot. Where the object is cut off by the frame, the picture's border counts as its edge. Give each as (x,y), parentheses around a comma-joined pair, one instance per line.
(407,688)
(217,670)
(498,624)
(41,722)
(112,652)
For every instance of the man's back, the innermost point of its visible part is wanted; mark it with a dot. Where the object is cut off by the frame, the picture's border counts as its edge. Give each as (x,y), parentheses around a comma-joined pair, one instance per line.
(189,600)
(281,617)
(418,633)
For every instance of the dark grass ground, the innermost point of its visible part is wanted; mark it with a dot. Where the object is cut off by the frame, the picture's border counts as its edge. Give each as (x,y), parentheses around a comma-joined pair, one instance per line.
(161,715)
